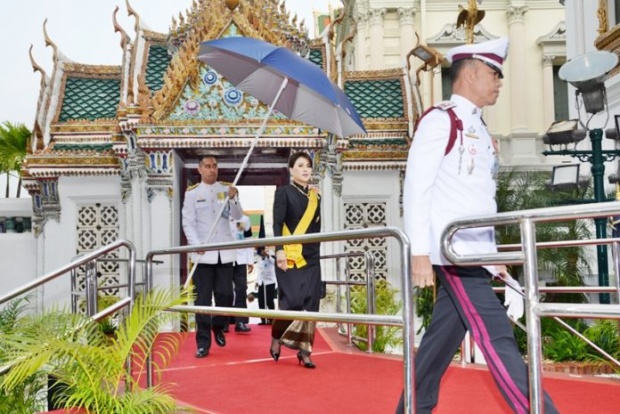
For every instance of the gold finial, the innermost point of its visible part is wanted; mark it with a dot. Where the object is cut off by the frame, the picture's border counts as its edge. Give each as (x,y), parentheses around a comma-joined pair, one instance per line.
(469,18)
(601,13)
(231,4)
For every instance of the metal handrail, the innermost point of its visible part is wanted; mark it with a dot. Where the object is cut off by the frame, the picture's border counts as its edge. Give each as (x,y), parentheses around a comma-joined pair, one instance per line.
(92,287)
(527,256)
(370,291)
(85,259)
(406,320)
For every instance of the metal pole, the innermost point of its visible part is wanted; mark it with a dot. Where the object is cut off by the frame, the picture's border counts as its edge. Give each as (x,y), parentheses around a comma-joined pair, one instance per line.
(370,298)
(91,287)
(598,173)
(534,348)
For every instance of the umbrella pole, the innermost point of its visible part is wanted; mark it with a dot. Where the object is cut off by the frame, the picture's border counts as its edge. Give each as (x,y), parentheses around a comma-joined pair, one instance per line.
(243,165)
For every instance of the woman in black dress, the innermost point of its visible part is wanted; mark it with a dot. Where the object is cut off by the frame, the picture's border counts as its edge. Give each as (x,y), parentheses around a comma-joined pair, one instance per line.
(296,210)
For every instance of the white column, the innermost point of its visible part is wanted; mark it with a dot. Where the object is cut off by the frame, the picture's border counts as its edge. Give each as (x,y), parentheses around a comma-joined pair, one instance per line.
(407,30)
(548,101)
(376,43)
(361,49)
(516,61)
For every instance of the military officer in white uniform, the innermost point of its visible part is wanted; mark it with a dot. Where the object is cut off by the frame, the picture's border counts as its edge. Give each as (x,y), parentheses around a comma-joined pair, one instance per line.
(441,187)
(213,276)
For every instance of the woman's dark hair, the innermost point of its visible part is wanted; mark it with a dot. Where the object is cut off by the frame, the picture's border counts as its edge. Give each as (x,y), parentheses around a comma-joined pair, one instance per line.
(293,158)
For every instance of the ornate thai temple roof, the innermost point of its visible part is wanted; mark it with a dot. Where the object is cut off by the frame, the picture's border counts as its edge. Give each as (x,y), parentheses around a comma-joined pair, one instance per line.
(166,99)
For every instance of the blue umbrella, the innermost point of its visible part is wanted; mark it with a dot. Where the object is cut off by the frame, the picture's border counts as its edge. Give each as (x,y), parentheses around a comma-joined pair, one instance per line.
(278,76)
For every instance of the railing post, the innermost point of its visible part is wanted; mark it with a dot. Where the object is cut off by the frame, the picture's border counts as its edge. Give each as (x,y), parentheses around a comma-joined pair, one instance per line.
(91,287)
(534,349)
(371,298)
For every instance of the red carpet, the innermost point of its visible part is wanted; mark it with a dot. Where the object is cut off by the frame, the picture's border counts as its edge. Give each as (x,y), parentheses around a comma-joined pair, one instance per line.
(242,377)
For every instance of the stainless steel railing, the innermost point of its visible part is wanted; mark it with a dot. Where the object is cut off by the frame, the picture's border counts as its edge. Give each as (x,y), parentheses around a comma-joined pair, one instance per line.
(87,259)
(527,255)
(406,320)
(91,285)
(347,283)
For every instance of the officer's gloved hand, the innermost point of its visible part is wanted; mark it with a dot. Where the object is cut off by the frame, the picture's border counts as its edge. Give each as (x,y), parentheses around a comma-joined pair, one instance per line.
(514,298)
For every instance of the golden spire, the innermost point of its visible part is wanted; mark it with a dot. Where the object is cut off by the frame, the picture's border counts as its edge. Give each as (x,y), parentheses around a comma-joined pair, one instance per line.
(469,18)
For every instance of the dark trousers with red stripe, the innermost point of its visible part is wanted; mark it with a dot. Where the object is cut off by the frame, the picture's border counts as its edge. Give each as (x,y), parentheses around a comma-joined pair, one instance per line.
(467,302)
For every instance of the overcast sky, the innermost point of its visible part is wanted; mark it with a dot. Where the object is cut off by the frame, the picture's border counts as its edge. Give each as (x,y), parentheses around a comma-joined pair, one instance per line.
(83,31)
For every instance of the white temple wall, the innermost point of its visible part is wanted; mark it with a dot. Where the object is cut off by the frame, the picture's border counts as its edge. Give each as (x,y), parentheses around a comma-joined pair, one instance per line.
(60,238)
(18,251)
(164,233)
(377,187)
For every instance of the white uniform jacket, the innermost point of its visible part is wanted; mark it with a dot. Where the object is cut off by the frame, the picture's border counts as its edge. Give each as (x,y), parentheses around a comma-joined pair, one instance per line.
(266,270)
(238,228)
(201,207)
(441,188)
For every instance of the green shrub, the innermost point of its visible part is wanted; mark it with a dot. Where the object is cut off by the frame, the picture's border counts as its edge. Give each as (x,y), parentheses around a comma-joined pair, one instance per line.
(25,397)
(386,304)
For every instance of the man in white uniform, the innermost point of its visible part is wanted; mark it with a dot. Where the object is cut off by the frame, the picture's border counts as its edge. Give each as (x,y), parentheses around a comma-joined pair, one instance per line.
(213,276)
(450,175)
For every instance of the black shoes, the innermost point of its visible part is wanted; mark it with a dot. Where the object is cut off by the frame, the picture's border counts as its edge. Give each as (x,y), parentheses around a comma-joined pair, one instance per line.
(274,349)
(242,327)
(220,339)
(202,352)
(225,330)
(263,322)
(306,361)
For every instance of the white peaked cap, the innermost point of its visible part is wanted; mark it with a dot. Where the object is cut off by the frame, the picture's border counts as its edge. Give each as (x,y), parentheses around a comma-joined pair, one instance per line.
(492,52)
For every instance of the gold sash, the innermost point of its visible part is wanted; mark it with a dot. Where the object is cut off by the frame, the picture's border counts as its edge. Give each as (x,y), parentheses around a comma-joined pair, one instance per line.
(293,251)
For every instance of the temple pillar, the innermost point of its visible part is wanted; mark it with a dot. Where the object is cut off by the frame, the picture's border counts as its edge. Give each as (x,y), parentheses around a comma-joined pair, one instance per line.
(517,57)
(407,30)
(548,101)
(376,32)
(361,53)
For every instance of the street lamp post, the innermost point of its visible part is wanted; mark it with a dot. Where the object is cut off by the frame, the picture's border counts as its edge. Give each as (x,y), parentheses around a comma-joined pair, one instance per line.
(587,73)
(597,158)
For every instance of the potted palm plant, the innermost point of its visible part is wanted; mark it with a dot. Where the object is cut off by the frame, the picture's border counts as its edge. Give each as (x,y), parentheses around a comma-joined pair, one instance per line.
(90,369)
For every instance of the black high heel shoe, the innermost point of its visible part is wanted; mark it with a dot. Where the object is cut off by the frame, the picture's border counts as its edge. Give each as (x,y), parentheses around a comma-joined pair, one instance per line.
(275,355)
(307,363)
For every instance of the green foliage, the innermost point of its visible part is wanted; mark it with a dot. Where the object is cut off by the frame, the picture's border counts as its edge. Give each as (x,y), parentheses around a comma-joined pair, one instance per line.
(562,345)
(74,350)
(386,304)
(565,346)
(109,324)
(23,398)
(13,149)
(424,303)
(604,333)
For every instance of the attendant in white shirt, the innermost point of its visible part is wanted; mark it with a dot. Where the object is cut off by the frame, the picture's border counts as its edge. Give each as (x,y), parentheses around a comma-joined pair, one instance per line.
(244,263)
(266,281)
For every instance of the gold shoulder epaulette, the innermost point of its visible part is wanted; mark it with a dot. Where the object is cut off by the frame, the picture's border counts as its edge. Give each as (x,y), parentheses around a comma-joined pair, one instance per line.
(191,187)
(226,183)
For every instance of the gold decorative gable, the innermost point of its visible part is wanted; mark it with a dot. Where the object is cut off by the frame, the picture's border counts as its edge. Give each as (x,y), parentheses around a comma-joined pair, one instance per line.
(263,19)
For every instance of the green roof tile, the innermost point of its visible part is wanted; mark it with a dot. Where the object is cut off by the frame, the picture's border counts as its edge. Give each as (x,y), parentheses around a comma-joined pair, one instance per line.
(87,98)
(316,56)
(156,66)
(376,98)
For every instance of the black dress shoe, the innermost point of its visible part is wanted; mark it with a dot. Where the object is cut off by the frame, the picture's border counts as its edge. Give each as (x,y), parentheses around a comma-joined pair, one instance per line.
(220,338)
(242,327)
(225,330)
(202,352)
